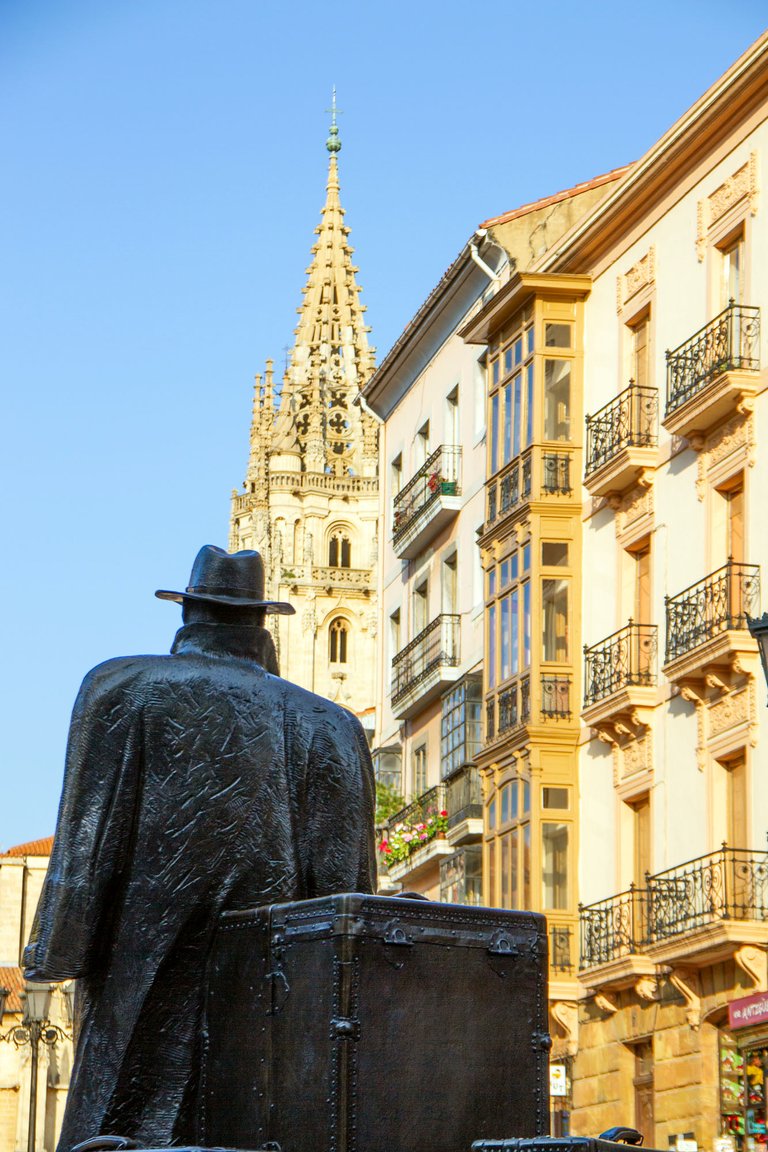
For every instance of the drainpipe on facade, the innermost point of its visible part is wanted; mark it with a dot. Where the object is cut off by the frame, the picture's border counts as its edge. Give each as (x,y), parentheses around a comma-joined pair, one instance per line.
(481,233)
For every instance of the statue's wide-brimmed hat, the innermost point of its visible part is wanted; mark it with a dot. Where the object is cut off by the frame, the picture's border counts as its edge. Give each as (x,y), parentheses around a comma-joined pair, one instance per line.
(232,578)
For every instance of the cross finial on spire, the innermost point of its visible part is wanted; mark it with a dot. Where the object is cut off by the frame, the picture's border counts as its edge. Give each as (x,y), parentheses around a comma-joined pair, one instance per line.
(333,144)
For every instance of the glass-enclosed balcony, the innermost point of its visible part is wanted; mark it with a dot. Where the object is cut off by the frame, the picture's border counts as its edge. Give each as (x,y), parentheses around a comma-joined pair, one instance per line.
(538,474)
(429,501)
(461,877)
(713,372)
(621,440)
(426,666)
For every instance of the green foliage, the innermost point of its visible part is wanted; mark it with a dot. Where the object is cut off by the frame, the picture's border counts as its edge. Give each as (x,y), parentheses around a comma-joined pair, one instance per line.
(388,802)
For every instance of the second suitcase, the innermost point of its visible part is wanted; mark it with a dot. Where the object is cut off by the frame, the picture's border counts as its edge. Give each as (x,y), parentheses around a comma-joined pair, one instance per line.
(363,1022)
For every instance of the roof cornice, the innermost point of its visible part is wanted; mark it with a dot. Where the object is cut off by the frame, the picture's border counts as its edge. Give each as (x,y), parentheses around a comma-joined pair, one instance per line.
(712,118)
(521,288)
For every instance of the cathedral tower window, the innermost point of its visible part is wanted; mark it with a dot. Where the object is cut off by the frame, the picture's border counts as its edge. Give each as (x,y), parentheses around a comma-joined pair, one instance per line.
(339,551)
(338,635)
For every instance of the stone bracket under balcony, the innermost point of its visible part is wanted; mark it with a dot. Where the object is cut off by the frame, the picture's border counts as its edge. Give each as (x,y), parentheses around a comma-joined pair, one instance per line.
(727,395)
(717,664)
(624,715)
(632,969)
(629,468)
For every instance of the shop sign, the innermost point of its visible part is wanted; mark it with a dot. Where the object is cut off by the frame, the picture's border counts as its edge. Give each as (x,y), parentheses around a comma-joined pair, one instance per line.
(748,1011)
(558,1082)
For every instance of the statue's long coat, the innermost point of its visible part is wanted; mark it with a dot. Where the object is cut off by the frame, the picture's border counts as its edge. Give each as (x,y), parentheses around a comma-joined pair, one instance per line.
(194,782)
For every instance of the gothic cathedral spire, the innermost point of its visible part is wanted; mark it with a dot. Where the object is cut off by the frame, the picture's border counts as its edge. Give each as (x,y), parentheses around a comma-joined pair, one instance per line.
(310,498)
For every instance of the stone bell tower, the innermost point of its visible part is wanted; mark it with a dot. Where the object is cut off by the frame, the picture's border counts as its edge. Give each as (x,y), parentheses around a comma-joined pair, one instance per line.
(309,502)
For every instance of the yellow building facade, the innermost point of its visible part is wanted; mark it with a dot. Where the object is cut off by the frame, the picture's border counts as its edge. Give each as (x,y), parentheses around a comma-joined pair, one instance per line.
(669,1023)
(309,501)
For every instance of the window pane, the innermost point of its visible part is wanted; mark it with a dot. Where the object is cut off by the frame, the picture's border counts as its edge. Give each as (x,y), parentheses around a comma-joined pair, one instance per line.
(555,620)
(515,566)
(554,798)
(554,555)
(504,573)
(507,453)
(507,361)
(514,879)
(504,818)
(529,405)
(505,870)
(491,583)
(492,873)
(557,400)
(529,340)
(514,632)
(526,891)
(518,350)
(526,625)
(504,624)
(554,851)
(518,387)
(526,557)
(492,646)
(495,433)
(515,790)
(492,814)
(495,372)
(526,797)
(557,335)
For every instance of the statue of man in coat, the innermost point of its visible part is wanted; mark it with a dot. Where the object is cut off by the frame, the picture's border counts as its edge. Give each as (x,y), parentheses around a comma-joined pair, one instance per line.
(194,783)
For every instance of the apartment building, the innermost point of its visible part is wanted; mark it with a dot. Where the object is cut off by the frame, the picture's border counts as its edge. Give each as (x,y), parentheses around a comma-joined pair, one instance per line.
(671,1019)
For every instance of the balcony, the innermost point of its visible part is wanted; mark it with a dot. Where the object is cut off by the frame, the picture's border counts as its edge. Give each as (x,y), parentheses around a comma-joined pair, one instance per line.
(622,441)
(699,912)
(429,501)
(509,709)
(556,690)
(426,666)
(461,878)
(464,803)
(343,579)
(620,681)
(707,627)
(415,837)
(714,374)
(539,474)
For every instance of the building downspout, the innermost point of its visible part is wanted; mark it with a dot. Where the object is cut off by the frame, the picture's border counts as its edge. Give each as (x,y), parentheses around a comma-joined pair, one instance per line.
(360,399)
(481,233)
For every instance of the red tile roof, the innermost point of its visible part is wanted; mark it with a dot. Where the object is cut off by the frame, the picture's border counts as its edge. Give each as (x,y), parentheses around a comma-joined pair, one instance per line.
(13,980)
(567,194)
(31,848)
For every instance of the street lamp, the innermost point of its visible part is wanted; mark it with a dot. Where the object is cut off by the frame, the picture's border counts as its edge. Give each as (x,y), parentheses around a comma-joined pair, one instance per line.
(35,1029)
(758,627)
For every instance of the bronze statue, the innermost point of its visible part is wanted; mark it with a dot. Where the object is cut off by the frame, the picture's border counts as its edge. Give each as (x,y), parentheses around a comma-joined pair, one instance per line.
(195,783)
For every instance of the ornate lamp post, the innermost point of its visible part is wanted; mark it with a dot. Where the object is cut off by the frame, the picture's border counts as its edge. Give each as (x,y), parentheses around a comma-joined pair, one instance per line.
(35,1029)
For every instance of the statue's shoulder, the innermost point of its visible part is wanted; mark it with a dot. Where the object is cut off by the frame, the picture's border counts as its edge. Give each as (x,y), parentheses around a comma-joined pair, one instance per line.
(113,674)
(317,709)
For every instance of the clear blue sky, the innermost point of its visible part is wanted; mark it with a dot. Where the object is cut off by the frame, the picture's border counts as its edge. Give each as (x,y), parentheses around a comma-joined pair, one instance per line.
(163,170)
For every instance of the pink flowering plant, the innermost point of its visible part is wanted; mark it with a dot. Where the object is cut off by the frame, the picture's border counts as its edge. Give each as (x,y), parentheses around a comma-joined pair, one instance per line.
(402,840)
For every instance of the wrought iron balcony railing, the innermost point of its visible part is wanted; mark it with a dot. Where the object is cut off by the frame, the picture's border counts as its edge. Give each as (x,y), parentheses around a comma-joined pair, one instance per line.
(556,473)
(718,603)
(613,928)
(555,696)
(429,803)
(731,884)
(730,341)
(508,709)
(623,660)
(629,421)
(437,644)
(463,795)
(560,955)
(439,475)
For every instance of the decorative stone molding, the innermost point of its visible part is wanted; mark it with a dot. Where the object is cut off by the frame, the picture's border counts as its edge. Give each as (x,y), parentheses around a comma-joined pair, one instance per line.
(566,1014)
(634,515)
(647,988)
(753,961)
(687,984)
(742,185)
(641,275)
(728,448)
(604,1002)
